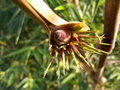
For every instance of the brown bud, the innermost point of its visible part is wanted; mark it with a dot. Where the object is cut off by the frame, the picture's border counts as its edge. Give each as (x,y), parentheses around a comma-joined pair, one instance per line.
(61,36)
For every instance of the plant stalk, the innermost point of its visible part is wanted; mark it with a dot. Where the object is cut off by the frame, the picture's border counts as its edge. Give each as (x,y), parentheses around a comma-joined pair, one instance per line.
(111,25)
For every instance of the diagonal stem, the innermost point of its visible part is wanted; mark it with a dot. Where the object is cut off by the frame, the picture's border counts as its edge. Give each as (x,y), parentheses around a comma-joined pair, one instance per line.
(40,12)
(24,5)
(45,12)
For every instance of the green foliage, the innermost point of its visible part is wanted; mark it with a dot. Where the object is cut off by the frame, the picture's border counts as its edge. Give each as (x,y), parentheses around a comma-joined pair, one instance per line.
(24,51)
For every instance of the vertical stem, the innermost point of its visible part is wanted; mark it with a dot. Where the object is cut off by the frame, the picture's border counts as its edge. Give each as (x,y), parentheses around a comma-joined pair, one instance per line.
(77,4)
(111,25)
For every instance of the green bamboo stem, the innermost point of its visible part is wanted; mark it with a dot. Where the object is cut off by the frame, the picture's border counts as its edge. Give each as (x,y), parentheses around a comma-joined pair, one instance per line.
(111,25)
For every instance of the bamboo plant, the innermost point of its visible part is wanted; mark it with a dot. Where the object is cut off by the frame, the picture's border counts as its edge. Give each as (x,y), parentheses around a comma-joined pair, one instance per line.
(67,40)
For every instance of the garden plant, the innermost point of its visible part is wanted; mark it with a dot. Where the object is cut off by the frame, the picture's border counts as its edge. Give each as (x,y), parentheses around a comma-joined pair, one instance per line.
(59,44)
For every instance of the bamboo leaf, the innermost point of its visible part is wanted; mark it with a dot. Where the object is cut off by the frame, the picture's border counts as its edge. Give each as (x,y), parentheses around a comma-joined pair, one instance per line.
(10,80)
(61,7)
(13,53)
(68,78)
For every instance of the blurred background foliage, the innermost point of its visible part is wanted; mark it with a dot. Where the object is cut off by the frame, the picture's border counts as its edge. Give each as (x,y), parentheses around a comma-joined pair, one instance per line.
(24,52)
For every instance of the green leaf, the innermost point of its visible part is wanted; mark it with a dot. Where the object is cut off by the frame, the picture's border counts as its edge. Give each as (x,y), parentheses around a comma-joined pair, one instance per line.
(17,52)
(37,56)
(10,80)
(20,27)
(68,78)
(94,8)
(61,7)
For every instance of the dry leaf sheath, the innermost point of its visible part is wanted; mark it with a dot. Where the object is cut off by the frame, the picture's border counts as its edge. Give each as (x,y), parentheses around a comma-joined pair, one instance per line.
(67,39)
